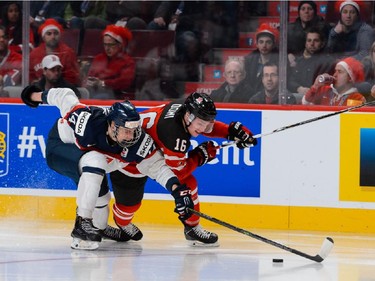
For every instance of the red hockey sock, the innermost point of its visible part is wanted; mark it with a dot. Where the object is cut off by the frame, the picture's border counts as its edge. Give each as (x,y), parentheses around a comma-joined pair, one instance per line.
(122,214)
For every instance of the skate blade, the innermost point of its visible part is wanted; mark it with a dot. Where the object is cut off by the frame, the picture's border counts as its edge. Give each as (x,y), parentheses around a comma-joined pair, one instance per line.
(196,243)
(79,244)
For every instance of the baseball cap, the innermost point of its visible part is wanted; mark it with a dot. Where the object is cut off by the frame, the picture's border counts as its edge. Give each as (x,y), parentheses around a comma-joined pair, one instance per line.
(51,61)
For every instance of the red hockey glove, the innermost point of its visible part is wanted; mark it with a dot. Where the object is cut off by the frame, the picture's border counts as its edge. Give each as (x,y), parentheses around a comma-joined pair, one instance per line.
(182,199)
(242,135)
(205,152)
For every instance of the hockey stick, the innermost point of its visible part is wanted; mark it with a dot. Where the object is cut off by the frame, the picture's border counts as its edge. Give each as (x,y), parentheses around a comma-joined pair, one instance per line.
(314,119)
(302,123)
(323,253)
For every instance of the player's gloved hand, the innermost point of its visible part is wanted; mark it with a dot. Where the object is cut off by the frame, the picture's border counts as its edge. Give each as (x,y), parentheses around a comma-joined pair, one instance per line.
(242,135)
(26,95)
(182,199)
(205,152)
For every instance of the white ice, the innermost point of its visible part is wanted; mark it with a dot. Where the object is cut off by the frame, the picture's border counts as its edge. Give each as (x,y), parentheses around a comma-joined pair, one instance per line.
(40,250)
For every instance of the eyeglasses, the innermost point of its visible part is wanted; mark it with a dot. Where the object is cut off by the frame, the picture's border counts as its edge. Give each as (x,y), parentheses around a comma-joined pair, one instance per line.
(110,45)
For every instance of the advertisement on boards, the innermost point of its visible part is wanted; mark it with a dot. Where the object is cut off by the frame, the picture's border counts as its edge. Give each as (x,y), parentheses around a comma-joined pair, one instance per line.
(24,132)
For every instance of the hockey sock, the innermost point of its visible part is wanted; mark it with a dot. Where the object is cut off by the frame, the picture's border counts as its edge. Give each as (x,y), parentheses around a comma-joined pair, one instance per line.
(101,211)
(123,215)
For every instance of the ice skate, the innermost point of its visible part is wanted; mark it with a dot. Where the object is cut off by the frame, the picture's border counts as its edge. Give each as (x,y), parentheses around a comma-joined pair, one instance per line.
(85,235)
(197,236)
(132,231)
(116,234)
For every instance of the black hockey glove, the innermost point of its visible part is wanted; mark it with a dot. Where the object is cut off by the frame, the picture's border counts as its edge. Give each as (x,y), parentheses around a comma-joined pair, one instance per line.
(182,199)
(242,135)
(26,95)
(205,152)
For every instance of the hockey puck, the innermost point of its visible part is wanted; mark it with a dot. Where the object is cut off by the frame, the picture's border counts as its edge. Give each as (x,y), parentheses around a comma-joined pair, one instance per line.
(278,260)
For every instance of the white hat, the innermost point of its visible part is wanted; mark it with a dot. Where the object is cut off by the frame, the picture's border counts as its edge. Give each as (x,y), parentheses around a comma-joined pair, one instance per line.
(352,3)
(51,61)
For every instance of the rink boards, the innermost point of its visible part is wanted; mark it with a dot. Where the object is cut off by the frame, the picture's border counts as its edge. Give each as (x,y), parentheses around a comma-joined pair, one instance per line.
(312,177)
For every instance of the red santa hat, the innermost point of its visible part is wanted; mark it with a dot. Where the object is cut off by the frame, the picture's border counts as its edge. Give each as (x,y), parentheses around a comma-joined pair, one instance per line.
(267,30)
(119,33)
(49,24)
(354,68)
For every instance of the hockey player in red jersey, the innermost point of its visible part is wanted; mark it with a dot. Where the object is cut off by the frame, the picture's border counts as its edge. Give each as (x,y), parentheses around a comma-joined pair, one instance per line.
(172,126)
(88,142)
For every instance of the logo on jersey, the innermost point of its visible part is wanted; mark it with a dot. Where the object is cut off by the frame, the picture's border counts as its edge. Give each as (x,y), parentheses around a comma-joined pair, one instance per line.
(4,144)
(172,111)
(82,120)
(124,153)
(146,147)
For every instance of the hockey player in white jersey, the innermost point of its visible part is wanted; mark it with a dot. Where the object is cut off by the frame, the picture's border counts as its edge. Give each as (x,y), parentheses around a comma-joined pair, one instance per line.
(88,142)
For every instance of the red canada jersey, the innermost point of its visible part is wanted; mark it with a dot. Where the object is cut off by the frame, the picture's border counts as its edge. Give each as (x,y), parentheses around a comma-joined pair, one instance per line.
(165,125)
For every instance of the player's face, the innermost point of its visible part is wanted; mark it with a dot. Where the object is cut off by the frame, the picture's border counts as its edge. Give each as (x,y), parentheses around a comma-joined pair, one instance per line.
(306,13)
(348,15)
(264,44)
(313,43)
(125,134)
(199,126)
(121,134)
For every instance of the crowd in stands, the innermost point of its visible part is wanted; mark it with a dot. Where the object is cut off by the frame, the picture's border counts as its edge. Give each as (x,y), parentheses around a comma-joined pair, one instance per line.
(339,46)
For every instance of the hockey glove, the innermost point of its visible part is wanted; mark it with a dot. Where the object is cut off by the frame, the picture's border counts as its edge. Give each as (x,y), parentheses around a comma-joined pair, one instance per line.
(242,135)
(26,95)
(205,152)
(182,199)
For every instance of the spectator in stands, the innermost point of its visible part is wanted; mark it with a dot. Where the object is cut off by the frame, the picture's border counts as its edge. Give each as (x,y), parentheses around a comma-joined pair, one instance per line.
(234,89)
(133,15)
(307,18)
(50,31)
(270,92)
(11,18)
(10,62)
(266,43)
(351,36)
(85,14)
(369,65)
(165,17)
(312,62)
(339,88)
(52,78)
(214,23)
(155,80)
(42,10)
(112,72)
